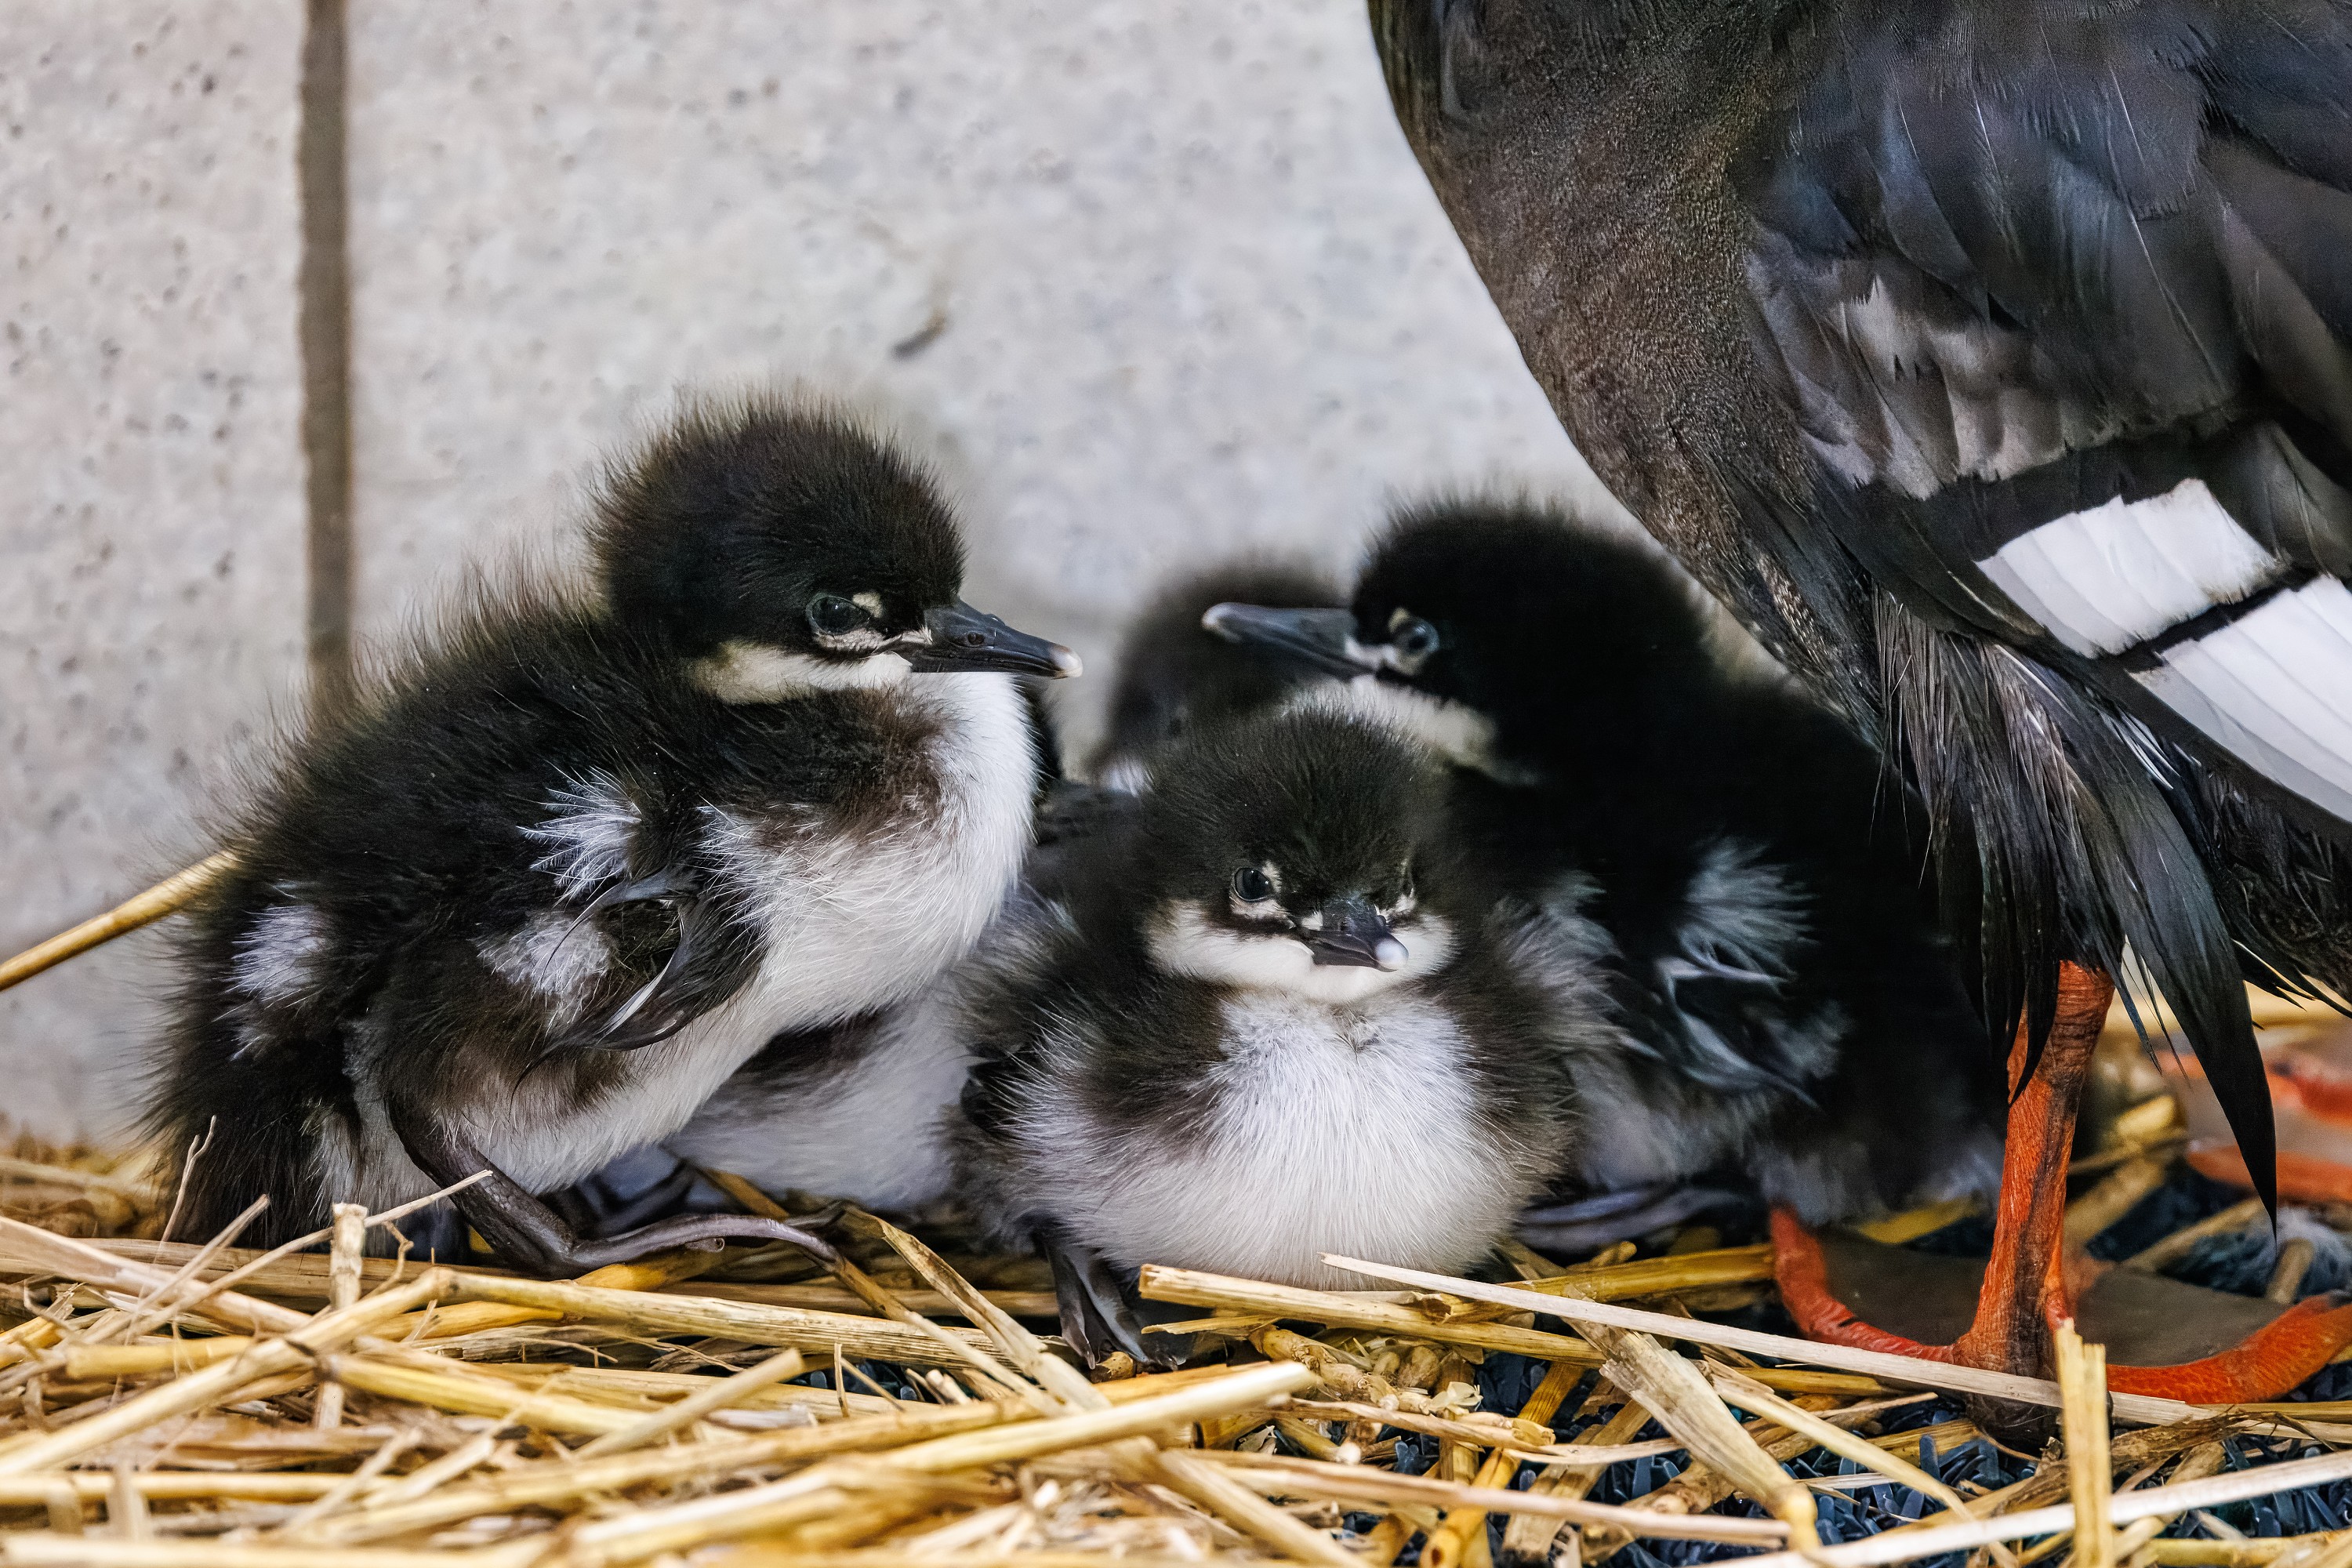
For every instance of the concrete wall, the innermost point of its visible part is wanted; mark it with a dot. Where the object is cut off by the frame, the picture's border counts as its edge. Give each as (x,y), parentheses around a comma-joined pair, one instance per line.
(151,498)
(1151,281)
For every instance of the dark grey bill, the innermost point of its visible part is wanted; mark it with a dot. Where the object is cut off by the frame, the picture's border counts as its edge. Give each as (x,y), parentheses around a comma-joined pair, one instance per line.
(1354,934)
(966,638)
(1320,637)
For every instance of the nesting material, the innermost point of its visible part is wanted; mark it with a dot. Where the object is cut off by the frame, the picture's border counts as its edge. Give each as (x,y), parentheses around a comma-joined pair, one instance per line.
(197,1404)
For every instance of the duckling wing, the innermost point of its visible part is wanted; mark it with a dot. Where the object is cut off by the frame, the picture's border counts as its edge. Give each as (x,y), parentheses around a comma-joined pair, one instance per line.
(1704,972)
(698,966)
(1732,1030)
(654,933)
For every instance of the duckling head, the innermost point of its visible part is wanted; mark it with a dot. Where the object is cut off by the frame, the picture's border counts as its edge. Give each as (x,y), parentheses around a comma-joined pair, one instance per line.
(783,548)
(1173,675)
(1297,851)
(1488,629)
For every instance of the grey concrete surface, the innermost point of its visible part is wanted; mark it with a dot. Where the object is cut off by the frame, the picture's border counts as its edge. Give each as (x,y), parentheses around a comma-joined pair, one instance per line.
(1192,293)
(1151,280)
(150,514)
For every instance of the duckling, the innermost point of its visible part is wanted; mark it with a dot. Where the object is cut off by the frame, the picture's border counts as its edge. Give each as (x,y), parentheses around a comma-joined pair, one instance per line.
(1741,866)
(1272,1020)
(852,1109)
(573,864)
(1172,674)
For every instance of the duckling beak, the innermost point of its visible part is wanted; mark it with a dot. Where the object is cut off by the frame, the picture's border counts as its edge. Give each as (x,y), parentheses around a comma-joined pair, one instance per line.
(1354,933)
(964,638)
(1324,638)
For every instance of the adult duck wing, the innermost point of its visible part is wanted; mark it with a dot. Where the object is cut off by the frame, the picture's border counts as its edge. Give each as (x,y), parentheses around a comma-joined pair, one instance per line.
(2060,300)
(2056,297)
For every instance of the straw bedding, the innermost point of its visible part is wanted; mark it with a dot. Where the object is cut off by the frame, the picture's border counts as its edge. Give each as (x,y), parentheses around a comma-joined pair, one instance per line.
(174,1402)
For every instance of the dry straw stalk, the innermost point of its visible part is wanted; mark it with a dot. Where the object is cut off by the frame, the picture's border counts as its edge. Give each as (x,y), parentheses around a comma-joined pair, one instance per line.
(172,893)
(863,1339)
(1365,1484)
(267,1358)
(511,1458)
(2090,1474)
(2239,1486)
(2138,1408)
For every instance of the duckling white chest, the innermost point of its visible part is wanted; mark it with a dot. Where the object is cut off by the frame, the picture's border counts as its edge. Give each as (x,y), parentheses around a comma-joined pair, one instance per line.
(866,901)
(1356,1130)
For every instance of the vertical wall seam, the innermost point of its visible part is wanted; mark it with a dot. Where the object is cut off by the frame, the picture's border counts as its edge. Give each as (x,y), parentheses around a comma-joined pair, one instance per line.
(324,324)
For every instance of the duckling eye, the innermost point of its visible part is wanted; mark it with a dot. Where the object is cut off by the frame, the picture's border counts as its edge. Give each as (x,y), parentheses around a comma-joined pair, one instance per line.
(1413,638)
(833,615)
(1252,886)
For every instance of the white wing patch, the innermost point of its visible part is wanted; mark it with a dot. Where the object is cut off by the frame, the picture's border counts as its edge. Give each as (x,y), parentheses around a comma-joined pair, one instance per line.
(587,830)
(559,957)
(1745,912)
(2274,688)
(1888,394)
(2110,577)
(1128,775)
(278,957)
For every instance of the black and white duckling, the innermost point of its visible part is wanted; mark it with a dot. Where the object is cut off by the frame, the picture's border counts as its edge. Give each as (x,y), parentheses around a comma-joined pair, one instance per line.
(538,896)
(1171,675)
(1270,1023)
(1743,868)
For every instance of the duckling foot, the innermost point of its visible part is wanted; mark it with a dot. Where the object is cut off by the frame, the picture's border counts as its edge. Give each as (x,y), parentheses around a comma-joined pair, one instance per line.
(1097,1316)
(2026,1291)
(531,1237)
(657,1201)
(619,1198)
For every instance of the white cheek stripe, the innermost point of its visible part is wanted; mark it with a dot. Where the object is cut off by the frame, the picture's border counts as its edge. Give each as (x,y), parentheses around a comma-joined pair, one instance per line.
(2274,688)
(1184,942)
(742,672)
(2106,579)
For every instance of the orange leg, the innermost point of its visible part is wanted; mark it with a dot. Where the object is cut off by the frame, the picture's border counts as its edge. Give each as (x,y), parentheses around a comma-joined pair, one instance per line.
(2024,1293)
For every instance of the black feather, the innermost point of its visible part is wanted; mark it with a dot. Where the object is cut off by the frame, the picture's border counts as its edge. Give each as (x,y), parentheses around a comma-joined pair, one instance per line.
(1118,1103)
(1741,874)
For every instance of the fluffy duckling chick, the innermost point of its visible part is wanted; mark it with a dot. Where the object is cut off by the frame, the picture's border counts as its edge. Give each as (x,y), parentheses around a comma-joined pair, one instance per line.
(1741,866)
(1273,1019)
(1171,675)
(533,900)
(857,1109)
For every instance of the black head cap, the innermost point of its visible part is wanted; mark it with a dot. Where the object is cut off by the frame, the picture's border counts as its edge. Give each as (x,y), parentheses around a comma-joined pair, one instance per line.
(778,524)
(1176,675)
(1551,630)
(1315,830)
(1516,609)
